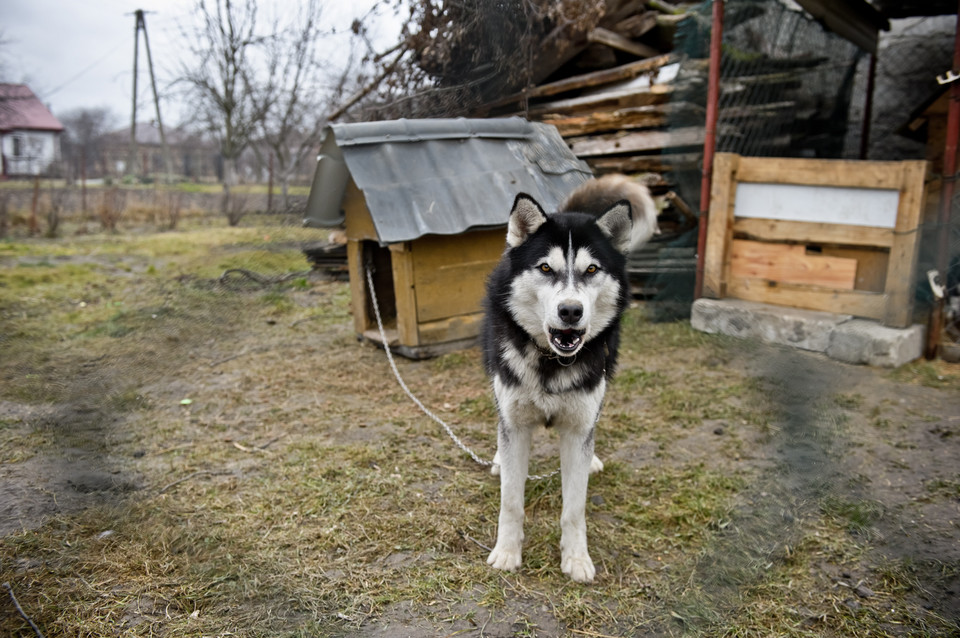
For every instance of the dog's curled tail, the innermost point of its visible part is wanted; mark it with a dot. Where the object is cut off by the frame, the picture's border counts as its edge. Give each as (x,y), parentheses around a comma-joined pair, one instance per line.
(596,196)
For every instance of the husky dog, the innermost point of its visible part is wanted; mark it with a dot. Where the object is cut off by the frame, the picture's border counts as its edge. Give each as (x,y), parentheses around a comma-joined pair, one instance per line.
(550,337)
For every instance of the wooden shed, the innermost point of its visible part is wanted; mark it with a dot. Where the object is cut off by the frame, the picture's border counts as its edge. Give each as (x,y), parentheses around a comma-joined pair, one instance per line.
(425,206)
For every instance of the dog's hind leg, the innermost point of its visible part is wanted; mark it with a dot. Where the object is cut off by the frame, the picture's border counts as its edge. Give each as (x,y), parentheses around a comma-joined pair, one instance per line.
(596,465)
(513,450)
(495,464)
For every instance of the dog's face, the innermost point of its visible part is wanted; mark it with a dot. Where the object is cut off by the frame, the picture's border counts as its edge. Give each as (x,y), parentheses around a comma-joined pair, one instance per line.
(567,283)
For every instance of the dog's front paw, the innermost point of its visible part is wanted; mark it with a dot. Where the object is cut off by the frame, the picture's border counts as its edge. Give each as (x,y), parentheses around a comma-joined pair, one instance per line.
(495,464)
(507,558)
(578,567)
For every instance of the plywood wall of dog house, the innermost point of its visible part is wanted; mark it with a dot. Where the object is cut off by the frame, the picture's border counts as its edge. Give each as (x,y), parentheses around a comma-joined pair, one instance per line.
(450,273)
(445,282)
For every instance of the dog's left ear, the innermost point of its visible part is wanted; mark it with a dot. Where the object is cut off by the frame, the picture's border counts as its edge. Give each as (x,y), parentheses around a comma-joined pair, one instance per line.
(617,224)
(525,218)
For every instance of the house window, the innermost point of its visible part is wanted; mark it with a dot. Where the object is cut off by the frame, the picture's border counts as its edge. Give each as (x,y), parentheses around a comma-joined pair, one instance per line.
(17,146)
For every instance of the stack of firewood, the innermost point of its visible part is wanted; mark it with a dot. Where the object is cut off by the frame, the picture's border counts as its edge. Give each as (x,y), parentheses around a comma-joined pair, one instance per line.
(618,105)
(615,104)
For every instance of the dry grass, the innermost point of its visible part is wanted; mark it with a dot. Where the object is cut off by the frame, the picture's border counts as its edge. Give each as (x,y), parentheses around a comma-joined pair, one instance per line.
(262,475)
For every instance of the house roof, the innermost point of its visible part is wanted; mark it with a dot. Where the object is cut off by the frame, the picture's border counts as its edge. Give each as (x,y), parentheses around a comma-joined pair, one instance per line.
(148,134)
(441,176)
(856,20)
(21,109)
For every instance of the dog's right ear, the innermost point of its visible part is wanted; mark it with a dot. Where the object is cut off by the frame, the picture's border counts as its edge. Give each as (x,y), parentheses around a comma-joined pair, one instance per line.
(525,218)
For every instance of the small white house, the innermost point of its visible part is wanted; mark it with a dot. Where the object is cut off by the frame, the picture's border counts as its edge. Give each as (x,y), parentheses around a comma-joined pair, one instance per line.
(29,133)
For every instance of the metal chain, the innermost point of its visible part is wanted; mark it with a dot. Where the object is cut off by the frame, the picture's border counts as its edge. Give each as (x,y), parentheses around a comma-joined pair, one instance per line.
(396,373)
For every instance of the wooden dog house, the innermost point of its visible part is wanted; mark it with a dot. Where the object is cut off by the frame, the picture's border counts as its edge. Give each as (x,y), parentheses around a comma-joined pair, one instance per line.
(833,235)
(425,205)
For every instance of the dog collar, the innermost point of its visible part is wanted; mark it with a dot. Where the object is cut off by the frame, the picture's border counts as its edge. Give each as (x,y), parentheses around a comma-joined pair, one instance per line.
(550,354)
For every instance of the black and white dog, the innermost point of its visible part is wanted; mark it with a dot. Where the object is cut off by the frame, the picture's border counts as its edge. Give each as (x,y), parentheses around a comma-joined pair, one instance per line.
(550,338)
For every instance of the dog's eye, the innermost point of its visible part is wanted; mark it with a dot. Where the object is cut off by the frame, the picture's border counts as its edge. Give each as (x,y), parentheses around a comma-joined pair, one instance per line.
(591,269)
(544,267)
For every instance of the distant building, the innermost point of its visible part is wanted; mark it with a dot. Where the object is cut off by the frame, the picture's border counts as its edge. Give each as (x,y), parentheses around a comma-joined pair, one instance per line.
(29,133)
(191,157)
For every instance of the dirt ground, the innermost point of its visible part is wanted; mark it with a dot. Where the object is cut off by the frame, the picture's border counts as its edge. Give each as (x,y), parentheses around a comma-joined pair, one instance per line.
(192,424)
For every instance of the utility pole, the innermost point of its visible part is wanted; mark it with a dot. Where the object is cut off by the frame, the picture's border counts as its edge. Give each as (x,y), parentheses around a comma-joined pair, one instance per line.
(132,155)
(132,162)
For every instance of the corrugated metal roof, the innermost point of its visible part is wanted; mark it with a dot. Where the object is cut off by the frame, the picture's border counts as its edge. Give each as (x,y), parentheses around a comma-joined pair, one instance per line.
(443,176)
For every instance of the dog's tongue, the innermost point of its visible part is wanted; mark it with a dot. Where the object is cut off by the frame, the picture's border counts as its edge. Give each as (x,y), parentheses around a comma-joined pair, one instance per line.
(566,339)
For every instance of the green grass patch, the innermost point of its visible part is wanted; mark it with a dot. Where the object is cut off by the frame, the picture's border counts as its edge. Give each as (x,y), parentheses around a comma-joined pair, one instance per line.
(932,374)
(944,488)
(858,516)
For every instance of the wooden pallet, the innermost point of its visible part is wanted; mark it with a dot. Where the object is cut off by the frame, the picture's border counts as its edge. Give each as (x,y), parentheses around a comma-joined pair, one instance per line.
(835,254)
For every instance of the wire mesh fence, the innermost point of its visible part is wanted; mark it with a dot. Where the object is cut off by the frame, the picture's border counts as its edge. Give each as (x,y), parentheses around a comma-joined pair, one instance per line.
(791,88)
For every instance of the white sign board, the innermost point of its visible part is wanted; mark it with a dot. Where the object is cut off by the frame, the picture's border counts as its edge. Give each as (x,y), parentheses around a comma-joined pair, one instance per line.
(826,204)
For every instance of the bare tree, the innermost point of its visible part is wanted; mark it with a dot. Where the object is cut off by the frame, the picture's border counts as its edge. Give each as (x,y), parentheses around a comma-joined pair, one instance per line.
(222,79)
(83,140)
(457,55)
(294,93)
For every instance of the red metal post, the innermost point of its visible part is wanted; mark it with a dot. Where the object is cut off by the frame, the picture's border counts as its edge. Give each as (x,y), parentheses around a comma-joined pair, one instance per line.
(710,139)
(946,195)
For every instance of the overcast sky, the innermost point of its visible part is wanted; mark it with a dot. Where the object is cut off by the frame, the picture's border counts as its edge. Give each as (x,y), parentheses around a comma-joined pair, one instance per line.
(76,54)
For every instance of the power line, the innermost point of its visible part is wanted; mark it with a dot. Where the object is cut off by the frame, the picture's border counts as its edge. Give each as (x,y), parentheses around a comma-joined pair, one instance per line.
(83,71)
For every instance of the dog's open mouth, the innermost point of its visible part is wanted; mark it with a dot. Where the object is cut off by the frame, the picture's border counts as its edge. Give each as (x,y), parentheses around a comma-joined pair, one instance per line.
(566,340)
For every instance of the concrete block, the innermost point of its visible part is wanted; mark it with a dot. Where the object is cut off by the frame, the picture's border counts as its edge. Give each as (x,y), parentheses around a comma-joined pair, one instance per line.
(864,341)
(805,329)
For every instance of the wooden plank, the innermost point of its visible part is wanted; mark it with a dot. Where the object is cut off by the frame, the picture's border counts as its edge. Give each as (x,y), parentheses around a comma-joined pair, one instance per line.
(451,272)
(651,116)
(405,292)
(790,263)
(903,253)
(812,233)
(617,11)
(637,142)
(637,25)
(596,78)
(358,286)
(359,224)
(451,329)
(871,265)
(655,94)
(854,173)
(666,7)
(719,223)
(599,35)
(857,23)
(373,334)
(645,163)
(859,303)
(450,290)
(632,118)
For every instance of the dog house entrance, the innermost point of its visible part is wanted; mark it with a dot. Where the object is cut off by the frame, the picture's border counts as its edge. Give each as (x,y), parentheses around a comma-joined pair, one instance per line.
(379,258)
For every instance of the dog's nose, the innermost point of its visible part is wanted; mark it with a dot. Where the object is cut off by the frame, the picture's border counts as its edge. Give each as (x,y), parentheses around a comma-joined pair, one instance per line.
(570,312)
